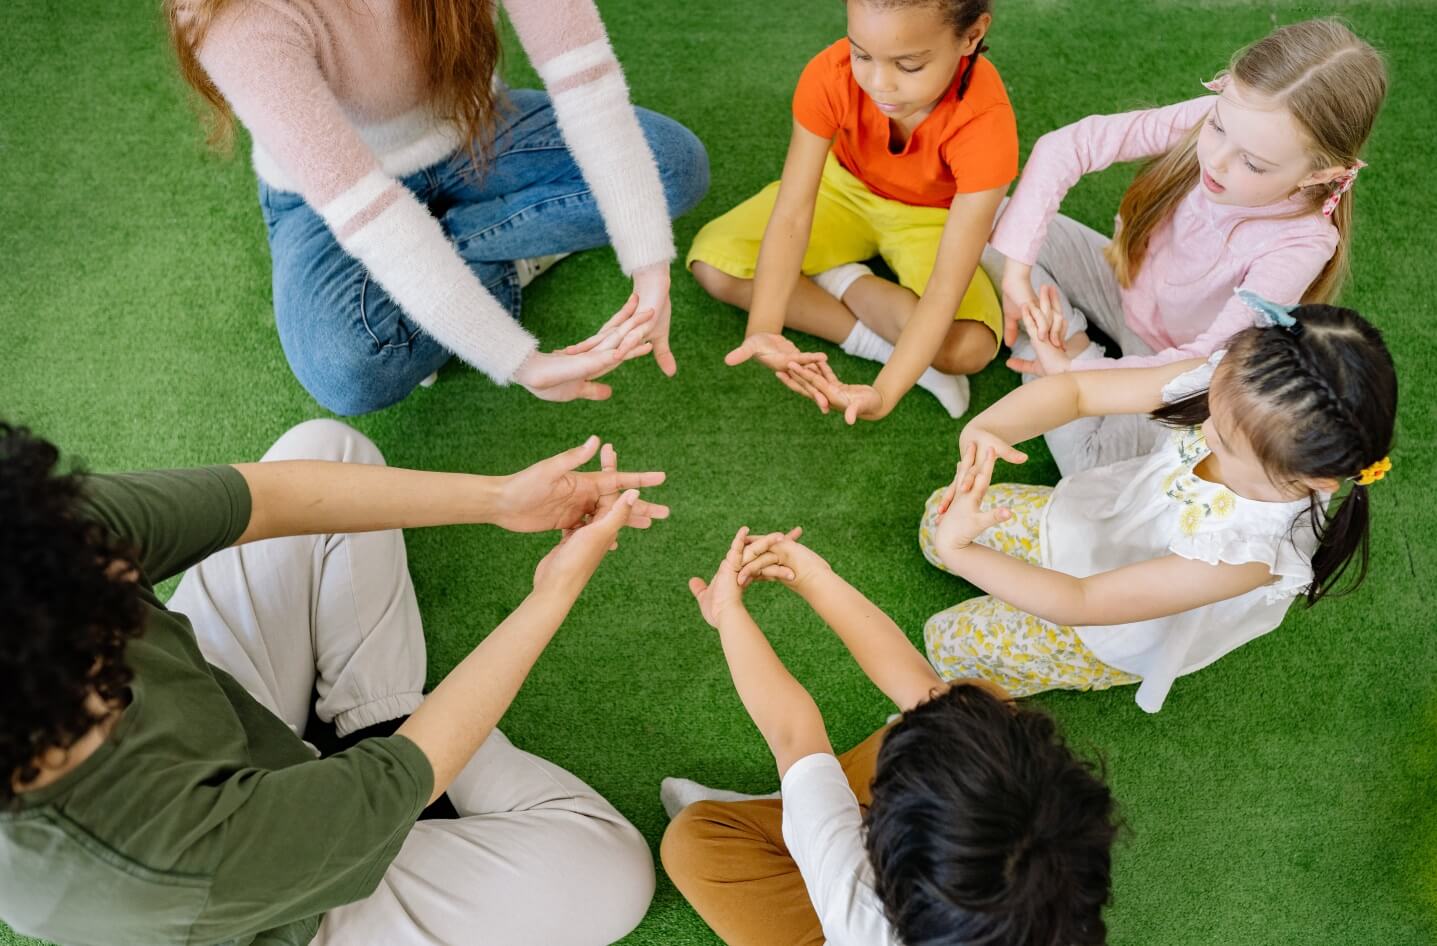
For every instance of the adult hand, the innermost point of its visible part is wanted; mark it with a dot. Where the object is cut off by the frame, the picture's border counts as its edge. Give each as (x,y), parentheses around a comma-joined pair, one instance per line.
(570,373)
(569,565)
(855,400)
(1046,329)
(551,494)
(779,556)
(651,286)
(1016,289)
(964,519)
(776,353)
(725,592)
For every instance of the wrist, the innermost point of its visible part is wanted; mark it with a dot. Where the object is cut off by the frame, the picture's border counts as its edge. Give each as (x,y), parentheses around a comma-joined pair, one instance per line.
(731,618)
(483,500)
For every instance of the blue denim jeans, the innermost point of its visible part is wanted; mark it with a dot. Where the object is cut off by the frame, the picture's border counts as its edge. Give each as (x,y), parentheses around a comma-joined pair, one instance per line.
(351,346)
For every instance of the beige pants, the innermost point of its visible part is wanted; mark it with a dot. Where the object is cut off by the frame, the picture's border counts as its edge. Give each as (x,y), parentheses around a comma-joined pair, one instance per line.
(537,856)
(1072,261)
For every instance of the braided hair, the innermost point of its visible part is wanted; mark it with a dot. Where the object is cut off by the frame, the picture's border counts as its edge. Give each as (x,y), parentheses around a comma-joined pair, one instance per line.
(960,15)
(1315,401)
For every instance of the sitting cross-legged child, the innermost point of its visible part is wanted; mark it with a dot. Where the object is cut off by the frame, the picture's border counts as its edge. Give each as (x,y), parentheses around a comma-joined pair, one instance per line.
(968,820)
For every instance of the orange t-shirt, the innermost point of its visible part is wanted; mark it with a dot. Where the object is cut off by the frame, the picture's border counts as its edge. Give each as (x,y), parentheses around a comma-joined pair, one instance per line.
(962,147)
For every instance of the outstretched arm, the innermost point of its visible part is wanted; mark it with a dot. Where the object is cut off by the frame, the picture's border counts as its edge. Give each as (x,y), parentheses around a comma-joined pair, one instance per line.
(778,704)
(307,497)
(879,646)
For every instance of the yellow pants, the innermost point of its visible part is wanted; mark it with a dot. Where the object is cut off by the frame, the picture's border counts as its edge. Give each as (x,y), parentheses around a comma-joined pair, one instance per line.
(850,224)
(988,638)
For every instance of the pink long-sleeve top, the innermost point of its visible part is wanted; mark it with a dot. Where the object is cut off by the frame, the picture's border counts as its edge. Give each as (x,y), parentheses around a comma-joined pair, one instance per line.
(336,102)
(1181,302)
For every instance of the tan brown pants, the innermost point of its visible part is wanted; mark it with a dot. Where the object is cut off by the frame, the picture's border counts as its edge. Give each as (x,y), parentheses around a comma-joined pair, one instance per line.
(729,860)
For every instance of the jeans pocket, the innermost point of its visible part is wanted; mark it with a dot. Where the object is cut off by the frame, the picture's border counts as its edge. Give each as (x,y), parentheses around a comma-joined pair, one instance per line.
(381,318)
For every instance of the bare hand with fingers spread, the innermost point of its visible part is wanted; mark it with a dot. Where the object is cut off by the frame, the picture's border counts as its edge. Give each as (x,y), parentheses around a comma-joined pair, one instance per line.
(776,353)
(962,519)
(570,373)
(1046,328)
(552,494)
(856,401)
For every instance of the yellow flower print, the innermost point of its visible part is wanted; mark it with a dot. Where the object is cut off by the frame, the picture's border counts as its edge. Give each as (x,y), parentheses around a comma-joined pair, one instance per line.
(1223,503)
(1190,520)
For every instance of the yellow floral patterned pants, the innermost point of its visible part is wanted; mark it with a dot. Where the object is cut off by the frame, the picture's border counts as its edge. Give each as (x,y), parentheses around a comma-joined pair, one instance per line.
(988,638)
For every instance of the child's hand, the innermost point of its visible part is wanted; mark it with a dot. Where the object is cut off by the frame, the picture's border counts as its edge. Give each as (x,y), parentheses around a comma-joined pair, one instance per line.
(775,353)
(1046,329)
(963,520)
(1017,292)
(778,556)
(855,400)
(978,438)
(725,592)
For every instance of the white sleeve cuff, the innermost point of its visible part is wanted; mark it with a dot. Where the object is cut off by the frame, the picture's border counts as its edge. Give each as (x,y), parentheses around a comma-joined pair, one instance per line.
(602,130)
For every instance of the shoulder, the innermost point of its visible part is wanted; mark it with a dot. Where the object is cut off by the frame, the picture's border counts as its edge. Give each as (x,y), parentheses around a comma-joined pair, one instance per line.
(256,25)
(985,88)
(832,66)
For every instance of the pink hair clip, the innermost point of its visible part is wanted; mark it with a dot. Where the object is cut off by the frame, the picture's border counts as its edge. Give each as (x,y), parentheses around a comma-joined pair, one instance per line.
(1344,182)
(1217,83)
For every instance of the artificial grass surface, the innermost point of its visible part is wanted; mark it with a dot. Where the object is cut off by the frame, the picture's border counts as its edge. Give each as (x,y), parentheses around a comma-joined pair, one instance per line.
(1284,795)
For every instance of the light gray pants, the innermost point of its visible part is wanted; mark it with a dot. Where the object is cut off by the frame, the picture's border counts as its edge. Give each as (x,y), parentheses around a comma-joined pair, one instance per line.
(1072,261)
(537,856)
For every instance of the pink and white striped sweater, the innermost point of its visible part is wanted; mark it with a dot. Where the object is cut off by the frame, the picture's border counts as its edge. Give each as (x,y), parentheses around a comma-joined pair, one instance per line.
(335,102)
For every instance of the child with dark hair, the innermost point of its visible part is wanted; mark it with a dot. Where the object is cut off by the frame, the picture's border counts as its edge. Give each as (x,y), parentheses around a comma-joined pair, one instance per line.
(967,821)
(903,145)
(155,782)
(1157,566)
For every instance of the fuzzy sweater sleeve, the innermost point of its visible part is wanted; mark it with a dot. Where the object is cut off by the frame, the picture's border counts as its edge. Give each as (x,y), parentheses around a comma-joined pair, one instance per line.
(566,41)
(1061,157)
(264,61)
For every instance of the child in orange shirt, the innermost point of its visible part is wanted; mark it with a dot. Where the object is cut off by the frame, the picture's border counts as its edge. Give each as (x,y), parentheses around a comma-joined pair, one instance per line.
(904,143)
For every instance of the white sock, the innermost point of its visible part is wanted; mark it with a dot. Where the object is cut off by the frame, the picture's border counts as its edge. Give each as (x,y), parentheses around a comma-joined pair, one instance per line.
(678,793)
(836,281)
(529,269)
(951,390)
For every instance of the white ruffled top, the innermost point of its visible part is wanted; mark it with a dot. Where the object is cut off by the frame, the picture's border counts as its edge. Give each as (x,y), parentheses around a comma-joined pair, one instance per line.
(1151,506)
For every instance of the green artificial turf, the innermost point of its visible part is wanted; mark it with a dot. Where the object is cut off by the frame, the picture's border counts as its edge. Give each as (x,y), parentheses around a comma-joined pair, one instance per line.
(1284,795)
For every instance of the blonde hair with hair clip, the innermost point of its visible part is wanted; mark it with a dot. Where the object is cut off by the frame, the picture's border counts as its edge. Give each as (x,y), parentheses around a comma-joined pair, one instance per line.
(1331,82)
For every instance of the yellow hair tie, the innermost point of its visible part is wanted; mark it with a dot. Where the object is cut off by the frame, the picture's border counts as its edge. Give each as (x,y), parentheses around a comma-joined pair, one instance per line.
(1374,472)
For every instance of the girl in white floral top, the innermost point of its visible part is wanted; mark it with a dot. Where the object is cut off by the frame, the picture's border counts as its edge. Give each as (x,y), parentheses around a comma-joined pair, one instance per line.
(1155,567)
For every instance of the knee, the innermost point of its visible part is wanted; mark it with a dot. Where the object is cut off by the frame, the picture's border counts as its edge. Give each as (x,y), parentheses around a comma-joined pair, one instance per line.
(624,883)
(682,159)
(721,285)
(928,529)
(968,349)
(325,439)
(687,845)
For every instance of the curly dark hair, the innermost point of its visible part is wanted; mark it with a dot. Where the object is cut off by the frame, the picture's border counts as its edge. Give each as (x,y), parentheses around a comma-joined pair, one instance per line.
(985,828)
(69,602)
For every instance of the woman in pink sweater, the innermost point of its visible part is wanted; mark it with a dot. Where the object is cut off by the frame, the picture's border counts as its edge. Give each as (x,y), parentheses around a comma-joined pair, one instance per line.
(409,196)
(1245,189)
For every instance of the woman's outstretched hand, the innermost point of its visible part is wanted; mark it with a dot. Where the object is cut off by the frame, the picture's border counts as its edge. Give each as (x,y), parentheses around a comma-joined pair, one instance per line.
(553,494)
(651,286)
(569,373)
(570,564)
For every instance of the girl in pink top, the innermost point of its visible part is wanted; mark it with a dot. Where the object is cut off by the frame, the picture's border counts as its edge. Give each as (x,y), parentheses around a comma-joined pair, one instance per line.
(400,183)
(1245,189)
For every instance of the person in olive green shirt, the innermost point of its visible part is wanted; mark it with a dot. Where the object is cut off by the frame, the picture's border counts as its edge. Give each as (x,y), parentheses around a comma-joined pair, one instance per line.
(160,791)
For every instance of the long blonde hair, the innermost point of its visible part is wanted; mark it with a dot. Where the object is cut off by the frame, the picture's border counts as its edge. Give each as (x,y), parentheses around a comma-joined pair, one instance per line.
(1331,82)
(455,41)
